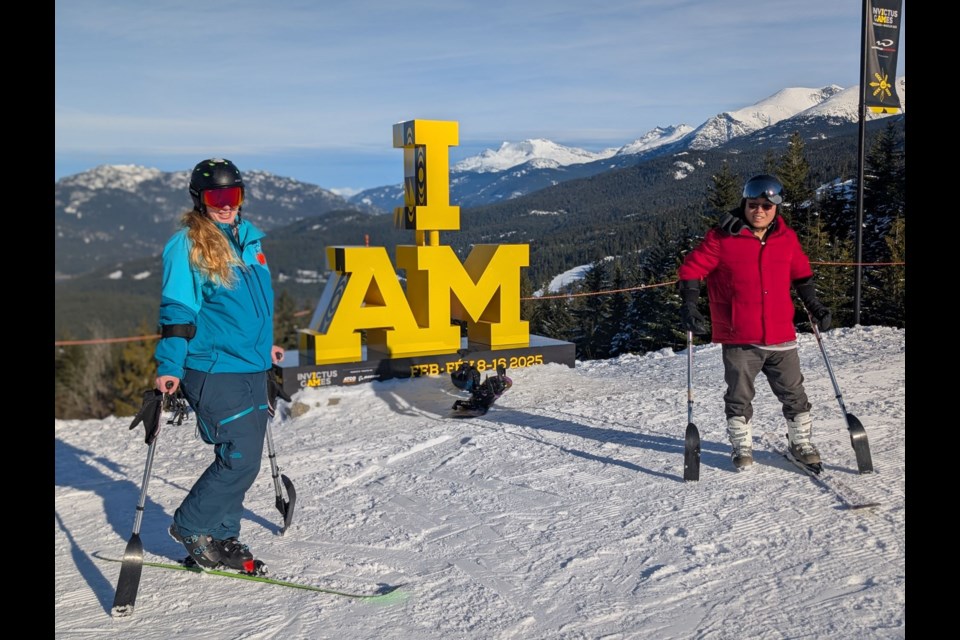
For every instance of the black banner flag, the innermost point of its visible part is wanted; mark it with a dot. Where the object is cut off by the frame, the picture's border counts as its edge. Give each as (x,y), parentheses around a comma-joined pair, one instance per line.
(883,39)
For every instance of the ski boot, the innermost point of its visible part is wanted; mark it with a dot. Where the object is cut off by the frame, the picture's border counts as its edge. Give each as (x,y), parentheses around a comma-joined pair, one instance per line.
(202,549)
(798,433)
(236,555)
(740,432)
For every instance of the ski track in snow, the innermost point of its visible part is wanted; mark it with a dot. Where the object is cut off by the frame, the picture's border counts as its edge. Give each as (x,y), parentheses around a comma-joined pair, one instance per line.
(561,513)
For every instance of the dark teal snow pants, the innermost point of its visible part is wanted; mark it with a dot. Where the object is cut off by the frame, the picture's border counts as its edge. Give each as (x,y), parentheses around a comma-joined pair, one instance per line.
(231,411)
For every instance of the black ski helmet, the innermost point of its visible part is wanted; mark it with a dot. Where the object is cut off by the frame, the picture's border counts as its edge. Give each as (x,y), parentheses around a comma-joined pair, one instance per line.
(764,186)
(214,173)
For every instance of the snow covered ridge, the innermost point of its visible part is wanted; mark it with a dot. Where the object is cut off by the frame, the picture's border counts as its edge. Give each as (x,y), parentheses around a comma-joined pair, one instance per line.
(130,177)
(654,138)
(831,102)
(118,176)
(512,154)
(782,105)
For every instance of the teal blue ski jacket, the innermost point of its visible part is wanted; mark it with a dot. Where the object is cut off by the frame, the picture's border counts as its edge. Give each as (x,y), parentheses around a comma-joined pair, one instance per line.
(234,325)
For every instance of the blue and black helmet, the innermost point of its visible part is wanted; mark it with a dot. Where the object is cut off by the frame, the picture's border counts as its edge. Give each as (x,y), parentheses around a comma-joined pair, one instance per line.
(764,186)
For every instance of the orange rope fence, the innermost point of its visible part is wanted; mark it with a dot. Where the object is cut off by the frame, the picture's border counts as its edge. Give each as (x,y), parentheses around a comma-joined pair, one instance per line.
(862,264)
(600,293)
(64,343)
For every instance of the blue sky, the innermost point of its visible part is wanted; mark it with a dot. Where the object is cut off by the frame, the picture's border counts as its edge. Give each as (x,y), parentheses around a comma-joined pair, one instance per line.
(311,89)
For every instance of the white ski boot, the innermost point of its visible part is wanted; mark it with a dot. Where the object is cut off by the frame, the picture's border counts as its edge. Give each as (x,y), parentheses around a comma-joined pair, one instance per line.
(798,433)
(740,432)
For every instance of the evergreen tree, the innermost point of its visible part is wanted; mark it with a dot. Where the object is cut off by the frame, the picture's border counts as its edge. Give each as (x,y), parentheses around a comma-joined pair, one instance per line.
(793,170)
(770,162)
(834,278)
(884,189)
(82,387)
(837,210)
(655,312)
(551,316)
(725,189)
(896,273)
(617,327)
(527,302)
(650,319)
(285,322)
(134,372)
(884,287)
(590,313)
(68,367)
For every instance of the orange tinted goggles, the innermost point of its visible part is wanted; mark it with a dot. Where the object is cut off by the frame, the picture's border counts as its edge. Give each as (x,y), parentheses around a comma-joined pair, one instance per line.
(221,198)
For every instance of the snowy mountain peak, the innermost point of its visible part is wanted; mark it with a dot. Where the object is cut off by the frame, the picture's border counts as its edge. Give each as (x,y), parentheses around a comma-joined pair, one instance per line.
(116,176)
(656,137)
(512,154)
(784,104)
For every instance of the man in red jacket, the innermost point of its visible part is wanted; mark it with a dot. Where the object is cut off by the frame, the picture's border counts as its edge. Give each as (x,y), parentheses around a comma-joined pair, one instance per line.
(750,260)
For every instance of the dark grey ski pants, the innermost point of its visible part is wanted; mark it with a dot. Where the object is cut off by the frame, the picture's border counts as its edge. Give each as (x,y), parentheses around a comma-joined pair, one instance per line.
(741,365)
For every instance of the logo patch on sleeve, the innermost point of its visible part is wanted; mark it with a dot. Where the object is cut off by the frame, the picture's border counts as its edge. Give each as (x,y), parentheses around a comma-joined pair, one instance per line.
(262,259)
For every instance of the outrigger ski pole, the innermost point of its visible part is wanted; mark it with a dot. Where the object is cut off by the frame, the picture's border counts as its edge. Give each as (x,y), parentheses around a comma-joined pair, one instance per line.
(129,581)
(128,584)
(691,441)
(858,435)
(285,507)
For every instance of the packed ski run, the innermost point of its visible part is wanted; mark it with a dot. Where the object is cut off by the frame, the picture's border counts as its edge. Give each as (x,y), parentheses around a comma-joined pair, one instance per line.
(563,512)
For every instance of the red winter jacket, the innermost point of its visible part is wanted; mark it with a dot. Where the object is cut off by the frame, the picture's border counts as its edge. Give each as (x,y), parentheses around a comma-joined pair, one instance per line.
(748,283)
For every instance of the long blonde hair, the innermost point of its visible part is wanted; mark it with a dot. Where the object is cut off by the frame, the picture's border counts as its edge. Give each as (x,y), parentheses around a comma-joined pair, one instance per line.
(210,252)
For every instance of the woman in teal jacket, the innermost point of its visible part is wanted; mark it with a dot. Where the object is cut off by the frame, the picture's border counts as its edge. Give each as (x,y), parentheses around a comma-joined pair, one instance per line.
(216,327)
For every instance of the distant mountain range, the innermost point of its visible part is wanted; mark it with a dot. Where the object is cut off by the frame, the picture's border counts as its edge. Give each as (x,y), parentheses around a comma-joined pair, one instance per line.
(112,221)
(516,169)
(115,213)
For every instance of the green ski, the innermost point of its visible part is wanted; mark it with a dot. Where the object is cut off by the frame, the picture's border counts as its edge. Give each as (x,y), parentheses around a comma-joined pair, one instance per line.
(381,591)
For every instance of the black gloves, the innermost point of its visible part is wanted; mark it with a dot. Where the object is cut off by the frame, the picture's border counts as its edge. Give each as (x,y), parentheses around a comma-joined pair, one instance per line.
(731,223)
(820,313)
(690,317)
(817,310)
(149,414)
(152,407)
(274,389)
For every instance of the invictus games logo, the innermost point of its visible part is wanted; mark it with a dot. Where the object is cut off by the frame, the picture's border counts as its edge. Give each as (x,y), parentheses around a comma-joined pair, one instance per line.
(363,294)
(317,378)
(885,16)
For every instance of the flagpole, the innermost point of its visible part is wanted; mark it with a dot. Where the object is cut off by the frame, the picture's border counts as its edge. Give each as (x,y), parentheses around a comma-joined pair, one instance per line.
(861,138)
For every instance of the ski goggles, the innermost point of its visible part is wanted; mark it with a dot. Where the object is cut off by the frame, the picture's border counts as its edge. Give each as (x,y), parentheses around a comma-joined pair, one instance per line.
(769,189)
(222,198)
